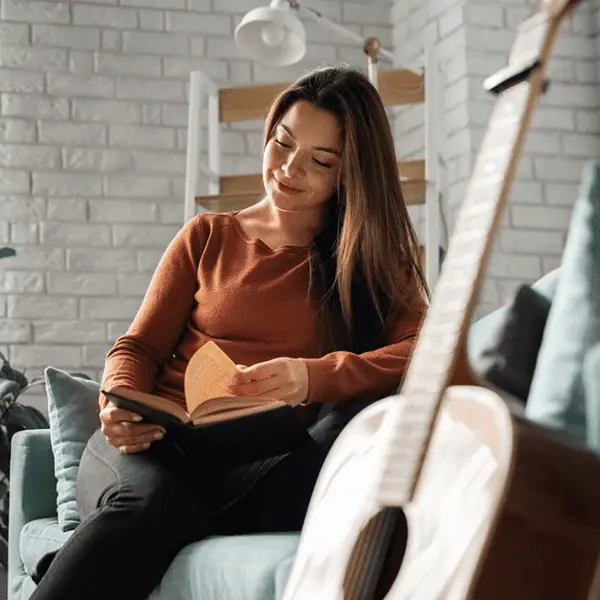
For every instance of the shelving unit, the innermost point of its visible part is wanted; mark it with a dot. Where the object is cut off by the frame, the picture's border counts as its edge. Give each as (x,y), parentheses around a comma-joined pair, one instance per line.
(420,179)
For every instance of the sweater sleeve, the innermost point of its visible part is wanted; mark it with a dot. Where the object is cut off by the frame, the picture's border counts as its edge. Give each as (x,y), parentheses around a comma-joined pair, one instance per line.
(137,356)
(342,376)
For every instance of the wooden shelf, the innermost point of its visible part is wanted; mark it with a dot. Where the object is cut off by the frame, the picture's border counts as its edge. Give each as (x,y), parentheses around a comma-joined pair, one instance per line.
(249,102)
(240,191)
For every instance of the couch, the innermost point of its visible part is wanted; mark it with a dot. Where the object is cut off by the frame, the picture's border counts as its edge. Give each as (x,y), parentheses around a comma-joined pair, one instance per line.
(253,567)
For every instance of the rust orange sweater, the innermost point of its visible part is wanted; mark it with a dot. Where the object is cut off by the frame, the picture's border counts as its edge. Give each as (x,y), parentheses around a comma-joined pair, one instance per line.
(215,283)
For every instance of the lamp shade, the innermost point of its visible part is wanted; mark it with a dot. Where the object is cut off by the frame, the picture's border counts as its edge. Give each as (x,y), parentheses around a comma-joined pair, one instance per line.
(271,35)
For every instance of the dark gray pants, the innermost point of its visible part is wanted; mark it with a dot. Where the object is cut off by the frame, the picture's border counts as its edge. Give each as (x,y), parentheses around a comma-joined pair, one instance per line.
(138,511)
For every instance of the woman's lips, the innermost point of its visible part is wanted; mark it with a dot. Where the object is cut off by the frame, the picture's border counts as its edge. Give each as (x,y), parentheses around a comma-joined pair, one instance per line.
(286,188)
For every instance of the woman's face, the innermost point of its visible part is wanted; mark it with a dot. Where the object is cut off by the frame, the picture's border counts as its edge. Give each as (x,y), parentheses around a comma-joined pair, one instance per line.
(301,161)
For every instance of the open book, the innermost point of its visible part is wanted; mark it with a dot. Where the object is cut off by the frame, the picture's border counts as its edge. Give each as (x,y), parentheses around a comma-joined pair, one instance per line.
(207,377)
(241,428)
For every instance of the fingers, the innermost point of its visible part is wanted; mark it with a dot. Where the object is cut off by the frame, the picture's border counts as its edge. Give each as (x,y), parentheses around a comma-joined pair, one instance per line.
(120,431)
(110,413)
(257,372)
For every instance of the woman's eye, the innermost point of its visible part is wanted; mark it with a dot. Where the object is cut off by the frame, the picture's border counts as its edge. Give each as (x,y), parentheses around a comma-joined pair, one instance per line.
(281,144)
(322,164)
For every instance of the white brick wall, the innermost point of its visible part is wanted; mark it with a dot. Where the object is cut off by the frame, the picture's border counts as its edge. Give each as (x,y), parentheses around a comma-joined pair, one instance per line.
(474,37)
(93,118)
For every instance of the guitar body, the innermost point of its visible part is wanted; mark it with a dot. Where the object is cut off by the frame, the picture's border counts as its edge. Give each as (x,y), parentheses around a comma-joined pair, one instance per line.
(499,512)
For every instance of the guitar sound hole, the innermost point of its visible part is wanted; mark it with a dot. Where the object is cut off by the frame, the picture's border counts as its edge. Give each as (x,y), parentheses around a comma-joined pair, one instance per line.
(377,556)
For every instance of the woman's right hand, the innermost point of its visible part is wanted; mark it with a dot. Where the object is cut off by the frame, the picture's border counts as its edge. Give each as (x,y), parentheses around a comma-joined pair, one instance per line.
(122,431)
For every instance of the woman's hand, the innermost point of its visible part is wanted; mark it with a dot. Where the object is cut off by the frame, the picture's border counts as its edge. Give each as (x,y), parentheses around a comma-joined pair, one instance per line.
(281,378)
(122,431)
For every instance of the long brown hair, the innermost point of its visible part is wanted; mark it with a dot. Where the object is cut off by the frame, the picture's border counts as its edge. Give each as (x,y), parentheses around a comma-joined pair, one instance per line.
(367,255)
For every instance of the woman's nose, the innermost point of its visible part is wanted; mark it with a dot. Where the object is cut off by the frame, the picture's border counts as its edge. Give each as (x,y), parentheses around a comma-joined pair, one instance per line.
(293,165)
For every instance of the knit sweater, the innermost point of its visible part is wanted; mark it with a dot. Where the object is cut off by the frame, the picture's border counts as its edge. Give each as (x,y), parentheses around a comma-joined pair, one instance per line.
(215,283)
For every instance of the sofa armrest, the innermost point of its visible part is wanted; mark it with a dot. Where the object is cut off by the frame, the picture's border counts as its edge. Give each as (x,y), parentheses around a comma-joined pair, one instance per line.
(32,489)
(591,390)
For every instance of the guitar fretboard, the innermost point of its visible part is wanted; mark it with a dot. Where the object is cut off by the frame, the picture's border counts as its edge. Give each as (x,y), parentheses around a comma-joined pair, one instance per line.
(455,295)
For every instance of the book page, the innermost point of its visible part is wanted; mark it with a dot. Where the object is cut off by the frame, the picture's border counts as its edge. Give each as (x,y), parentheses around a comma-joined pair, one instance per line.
(207,375)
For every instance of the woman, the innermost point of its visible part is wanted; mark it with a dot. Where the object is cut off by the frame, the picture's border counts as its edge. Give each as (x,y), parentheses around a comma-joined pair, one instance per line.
(316,289)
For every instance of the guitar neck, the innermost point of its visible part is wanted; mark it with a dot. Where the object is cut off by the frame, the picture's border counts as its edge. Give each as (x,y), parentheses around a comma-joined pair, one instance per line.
(455,295)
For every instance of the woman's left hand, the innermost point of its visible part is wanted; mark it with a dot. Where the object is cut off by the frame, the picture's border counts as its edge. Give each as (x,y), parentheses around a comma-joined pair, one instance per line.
(281,378)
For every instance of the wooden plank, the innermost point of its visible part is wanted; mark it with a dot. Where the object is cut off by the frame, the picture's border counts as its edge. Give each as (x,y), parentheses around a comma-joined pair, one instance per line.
(249,102)
(231,184)
(413,191)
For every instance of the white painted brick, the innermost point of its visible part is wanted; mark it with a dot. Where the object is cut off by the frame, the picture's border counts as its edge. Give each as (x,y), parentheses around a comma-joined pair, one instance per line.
(152,20)
(36,107)
(514,265)
(227,6)
(197,46)
(222,47)
(558,169)
(35,157)
(125,211)
(80,85)
(170,213)
(24,233)
(549,263)
(22,208)
(151,114)
(588,121)
(104,16)
(37,258)
(80,134)
(572,95)
(150,89)
(21,282)
(133,285)
(109,308)
(111,40)
(528,241)
(23,82)
(81,284)
(208,24)
(561,69)
(214,68)
(69,332)
(561,194)
(75,234)
(142,42)
(135,186)
(4,232)
(553,218)
(586,71)
(143,236)
(160,162)
(13,331)
(31,11)
(99,160)
(116,329)
(67,209)
(106,111)
(112,63)
(64,36)
(542,142)
(43,355)
(36,59)
(3,348)
(41,307)
(14,33)
(141,136)
(81,61)
(109,260)
(67,184)
(574,46)
(484,15)
(451,20)
(526,192)
(14,182)
(17,130)
(578,144)
(166,4)
(175,114)
(95,355)
(561,119)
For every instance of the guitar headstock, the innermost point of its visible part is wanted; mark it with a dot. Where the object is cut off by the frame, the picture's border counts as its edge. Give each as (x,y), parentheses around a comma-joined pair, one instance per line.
(559,9)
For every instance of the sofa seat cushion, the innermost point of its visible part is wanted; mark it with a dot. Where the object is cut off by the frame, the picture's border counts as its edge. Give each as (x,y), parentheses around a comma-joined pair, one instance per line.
(39,537)
(248,567)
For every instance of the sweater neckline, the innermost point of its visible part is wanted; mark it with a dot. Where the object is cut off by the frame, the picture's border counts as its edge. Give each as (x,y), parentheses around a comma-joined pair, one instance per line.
(258,242)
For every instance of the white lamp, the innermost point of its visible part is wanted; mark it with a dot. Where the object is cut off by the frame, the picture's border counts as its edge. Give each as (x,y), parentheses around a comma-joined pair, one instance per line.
(275,36)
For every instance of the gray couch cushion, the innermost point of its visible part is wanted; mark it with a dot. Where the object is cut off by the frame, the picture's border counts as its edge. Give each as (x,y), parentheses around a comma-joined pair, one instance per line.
(38,538)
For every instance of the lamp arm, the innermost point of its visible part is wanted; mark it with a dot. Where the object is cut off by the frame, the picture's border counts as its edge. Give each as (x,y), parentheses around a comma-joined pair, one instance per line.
(317,17)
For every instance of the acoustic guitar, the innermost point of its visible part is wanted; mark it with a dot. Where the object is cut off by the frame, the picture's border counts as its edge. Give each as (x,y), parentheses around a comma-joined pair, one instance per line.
(442,491)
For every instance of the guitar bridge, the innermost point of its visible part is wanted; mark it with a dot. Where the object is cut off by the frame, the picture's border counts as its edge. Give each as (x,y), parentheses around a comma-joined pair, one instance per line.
(512,75)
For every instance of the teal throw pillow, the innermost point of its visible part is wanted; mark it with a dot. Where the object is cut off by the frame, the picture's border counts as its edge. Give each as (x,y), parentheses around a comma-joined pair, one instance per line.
(557,397)
(73,415)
